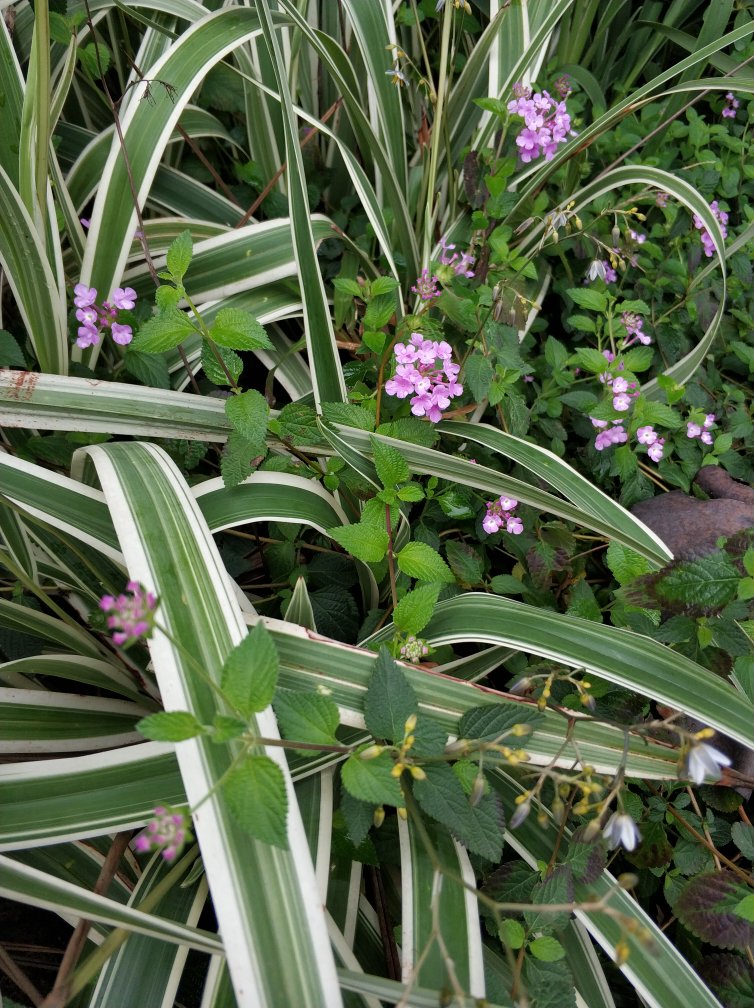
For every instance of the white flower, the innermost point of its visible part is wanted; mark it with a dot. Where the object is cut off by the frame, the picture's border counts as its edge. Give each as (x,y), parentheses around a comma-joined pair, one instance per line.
(704,760)
(621,830)
(596,269)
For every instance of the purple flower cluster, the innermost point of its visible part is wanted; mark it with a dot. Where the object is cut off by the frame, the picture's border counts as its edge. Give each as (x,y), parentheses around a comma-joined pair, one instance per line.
(655,444)
(131,616)
(94,318)
(500,514)
(729,112)
(426,286)
(702,430)
(414,649)
(546,123)
(634,324)
(426,372)
(608,434)
(709,247)
(167,832)
(462,262)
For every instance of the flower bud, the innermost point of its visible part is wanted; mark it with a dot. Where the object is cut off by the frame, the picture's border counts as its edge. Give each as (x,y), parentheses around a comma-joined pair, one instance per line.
(371,752)
(410,724)
(378,817)
(417,773)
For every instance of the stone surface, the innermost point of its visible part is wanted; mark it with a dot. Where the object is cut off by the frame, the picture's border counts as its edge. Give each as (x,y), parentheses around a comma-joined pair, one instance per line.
(690,527)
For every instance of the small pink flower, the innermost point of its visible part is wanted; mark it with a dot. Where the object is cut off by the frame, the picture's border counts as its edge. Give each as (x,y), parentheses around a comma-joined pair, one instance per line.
(167,832)
(621,402)
(514,525)
(84,296)
(620,385)
(122,334)
(646,435)
(705,437)
(87,336)
(656,450)
(130,616)
(693,430)
(124,298)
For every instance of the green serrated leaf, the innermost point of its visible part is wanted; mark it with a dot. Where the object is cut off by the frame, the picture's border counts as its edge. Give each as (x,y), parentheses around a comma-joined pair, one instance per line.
(479,827)
(170,726)
(212,367)
(422,562)
(477,375)
(225,728)
(411,493)
(590,360)
(382,285)
(584,297)
(638,358)
(547,949)
(390,700)
(707,907)
(297,423)
(359,817)
(557,887)
(163,332)
(362,540)
(742,835)
(148,368)
(250,673)
(372,780)
(410,429)
(745,908)
(415,609)
(391,466)
(549,984)
(496,720)
(238,330)
(511,933)
(307,717)
(11,355)
(239,458)
(255,793)
(349,414)
(179,255)
(348,286)
(467,565)
(248,413)
(506,584)
(95,59)
(167,296)
(380,311)
(626,564)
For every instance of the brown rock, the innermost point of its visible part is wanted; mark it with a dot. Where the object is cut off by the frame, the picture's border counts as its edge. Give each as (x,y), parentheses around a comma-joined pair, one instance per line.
(690,527)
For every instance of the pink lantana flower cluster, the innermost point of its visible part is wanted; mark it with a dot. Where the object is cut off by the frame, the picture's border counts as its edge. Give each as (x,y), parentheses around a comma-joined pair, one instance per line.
(94,318)
(634,328)
(500,517)
(655,444)
(426,286)
(461,262)
(426,372)
(729,112)
(709,246)
(546,123)
(702,430)
(167,832)
(130,616)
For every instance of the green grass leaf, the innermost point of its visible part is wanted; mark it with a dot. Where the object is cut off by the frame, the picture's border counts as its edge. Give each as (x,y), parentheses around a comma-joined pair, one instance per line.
(250,673)
(170,726)
(422,562)
(390,700)
(255,793)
